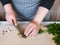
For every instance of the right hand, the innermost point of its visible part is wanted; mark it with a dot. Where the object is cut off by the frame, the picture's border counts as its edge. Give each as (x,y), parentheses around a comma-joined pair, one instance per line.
(11,16)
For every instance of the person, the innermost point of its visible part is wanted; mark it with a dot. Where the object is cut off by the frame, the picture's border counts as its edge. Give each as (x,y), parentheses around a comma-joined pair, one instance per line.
(27,10)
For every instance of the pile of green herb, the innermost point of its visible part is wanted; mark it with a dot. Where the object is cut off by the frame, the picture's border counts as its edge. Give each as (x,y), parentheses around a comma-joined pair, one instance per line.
(57,39)
(54,29)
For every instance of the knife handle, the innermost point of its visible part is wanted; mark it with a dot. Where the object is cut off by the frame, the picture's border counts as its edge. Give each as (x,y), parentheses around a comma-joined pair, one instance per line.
(13,22)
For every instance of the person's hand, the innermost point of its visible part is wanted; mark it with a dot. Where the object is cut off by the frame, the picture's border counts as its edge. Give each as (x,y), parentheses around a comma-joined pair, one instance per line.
(32,29)
(10,17)
(10,14)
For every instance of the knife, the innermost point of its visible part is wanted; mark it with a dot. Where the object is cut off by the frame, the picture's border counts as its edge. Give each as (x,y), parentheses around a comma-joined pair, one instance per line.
(20,28)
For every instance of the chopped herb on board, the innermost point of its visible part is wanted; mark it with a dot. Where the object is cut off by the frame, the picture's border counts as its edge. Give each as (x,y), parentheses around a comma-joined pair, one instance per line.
(21,35)
(57,39)
(41,31)
(54,29)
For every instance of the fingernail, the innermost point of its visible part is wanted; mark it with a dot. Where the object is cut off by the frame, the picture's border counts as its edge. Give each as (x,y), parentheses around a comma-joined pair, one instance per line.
(16,24)
(26,34)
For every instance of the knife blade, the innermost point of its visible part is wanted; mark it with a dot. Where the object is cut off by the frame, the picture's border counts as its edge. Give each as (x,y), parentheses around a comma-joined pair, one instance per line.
(20,28)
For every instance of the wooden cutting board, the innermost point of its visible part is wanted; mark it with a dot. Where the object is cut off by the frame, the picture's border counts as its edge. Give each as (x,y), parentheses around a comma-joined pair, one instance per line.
(11,37)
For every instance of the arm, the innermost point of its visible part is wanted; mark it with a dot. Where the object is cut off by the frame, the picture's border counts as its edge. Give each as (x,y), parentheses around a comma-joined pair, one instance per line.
(34,26)
(41,13)
(44,8)
(10,14)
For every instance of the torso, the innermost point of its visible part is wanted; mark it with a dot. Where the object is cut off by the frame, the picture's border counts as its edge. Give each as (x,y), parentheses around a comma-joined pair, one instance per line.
(27,8)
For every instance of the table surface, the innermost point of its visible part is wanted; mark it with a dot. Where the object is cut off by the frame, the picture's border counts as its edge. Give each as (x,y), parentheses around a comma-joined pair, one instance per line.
(12,38)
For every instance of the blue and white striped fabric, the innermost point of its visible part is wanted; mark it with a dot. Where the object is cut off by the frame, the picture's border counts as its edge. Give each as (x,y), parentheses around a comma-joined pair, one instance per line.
(27,8)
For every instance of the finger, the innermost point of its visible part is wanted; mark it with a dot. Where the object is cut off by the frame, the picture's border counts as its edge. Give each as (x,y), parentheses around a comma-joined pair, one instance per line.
(32,33)
(15,22)
(29,31)
(27,28)
(35,33)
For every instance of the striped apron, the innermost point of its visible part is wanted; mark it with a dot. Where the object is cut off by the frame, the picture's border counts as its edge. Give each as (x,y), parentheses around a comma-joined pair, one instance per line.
(25,9)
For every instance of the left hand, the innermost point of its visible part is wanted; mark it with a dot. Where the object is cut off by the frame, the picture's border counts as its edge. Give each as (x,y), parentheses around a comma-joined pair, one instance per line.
(32,29)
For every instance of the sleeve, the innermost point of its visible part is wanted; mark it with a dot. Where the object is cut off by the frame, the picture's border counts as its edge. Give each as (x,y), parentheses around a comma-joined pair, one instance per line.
(47,3)
(5,2)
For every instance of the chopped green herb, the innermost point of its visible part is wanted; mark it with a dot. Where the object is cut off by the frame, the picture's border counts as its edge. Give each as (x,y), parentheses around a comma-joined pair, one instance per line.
(55,30)
(57,39)
(41,31)
(21,35)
